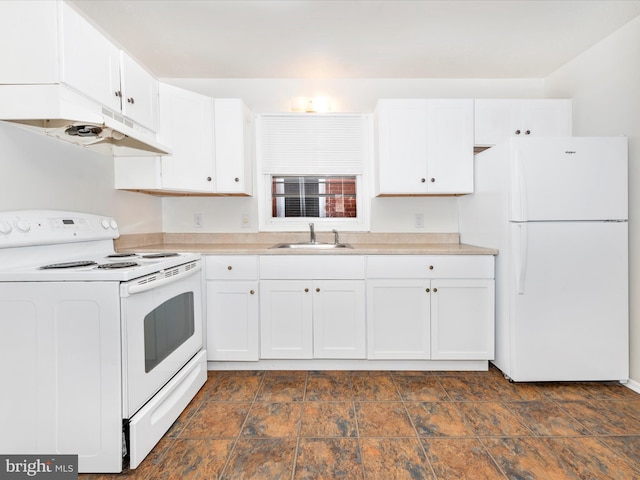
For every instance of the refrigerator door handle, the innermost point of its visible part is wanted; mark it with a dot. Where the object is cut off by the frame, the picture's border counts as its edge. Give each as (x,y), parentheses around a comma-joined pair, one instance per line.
(520,249)
(518,189)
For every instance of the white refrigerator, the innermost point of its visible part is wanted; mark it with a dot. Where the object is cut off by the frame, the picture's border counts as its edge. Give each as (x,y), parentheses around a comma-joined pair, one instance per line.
(557,209)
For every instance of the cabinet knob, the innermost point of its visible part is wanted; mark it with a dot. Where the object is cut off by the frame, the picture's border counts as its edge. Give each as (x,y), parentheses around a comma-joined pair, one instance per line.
(317,289)
(118,93)
(131,100)
(430,267)
(435,290)
(517,132)
(229,267)
(251,292)
(306,290)
(236,179)
(527,132)
(208,179)
(423,180)
(427,290)
(433,180)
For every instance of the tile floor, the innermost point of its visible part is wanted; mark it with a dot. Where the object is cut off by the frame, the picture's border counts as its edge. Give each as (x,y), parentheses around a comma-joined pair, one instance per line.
(398,425)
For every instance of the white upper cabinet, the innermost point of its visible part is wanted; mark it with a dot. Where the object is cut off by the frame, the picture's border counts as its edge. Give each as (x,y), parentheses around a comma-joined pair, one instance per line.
(498,120)
(424,146)
(233,130)
(48,42)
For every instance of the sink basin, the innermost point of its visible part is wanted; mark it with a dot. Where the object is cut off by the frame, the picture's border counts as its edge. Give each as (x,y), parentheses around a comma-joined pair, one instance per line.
(313,246)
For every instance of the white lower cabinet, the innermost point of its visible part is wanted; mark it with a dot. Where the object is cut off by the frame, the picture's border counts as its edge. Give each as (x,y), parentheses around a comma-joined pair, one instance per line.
(413,314)
(312,306)
(232,308)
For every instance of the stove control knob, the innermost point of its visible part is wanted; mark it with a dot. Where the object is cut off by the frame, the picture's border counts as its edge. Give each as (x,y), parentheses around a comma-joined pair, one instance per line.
(23,226)
(5,228)
(113,224)
(105,223)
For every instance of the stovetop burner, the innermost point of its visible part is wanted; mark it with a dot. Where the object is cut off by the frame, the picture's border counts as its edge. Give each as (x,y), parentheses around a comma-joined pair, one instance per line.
(160,255)
(114,265)
(122,255)
(80,263)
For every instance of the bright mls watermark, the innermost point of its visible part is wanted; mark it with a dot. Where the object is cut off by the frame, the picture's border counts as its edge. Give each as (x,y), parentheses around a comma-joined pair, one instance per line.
(49,467)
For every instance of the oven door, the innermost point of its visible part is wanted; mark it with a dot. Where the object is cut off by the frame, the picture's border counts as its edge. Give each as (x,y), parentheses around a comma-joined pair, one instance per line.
(162,330)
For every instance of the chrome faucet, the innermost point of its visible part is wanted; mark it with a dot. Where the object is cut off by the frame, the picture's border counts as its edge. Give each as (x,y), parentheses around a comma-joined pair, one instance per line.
(313,233)
(336,239)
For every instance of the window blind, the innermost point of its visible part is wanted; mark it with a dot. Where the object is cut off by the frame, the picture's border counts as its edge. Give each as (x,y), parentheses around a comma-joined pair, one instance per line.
(312,144)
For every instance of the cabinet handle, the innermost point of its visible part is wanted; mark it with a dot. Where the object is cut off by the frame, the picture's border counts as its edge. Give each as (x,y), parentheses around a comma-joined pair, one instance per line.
(229,267)
(251,292)
(423,180)
(317,289)
(435,290)
(306,290)
(236,179)
(118,93)
(433,180)
(430,267)
(518,132)
(427,290)
(131,100)
(208,179)
(527,132)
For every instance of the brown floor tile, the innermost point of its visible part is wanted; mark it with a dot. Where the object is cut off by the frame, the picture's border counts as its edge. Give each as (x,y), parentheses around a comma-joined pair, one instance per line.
(216,419)
(394,458)
(547,418)
(420,388)
(273,420)
(628,446)
(461,458)
(383,419)
(328,387)
(328,419)
(587,458)
(470,389)
(526,457)
(236,388)
(261,458)
(438,419)
(491,419)
(374,387)
(328,458)
(566,391)
(604,417)
(200,459)
(282,388)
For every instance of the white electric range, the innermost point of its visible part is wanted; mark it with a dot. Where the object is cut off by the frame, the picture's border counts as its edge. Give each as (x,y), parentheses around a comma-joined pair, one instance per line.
(102,351)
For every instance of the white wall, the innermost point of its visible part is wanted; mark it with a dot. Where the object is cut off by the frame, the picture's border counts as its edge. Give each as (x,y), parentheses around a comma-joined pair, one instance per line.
(37,172)
(348,95)
(604,83)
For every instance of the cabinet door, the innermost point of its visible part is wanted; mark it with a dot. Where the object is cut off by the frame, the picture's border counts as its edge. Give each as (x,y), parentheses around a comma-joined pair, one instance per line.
(233,147)
(398,323)
(339,319)
(190,166)
(402,146)
(462,319)
(449,146)
(286,319)
(139,91)
(543,118)
(90,63)
(232,320)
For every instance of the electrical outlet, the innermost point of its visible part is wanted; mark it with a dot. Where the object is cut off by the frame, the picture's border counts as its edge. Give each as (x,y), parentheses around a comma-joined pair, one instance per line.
(197,220)
(419,220)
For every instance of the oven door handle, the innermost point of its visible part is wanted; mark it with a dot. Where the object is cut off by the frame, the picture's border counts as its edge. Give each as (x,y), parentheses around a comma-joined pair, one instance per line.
(155,280)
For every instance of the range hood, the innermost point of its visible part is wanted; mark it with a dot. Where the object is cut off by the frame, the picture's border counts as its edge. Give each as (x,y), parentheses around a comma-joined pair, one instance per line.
(58,111)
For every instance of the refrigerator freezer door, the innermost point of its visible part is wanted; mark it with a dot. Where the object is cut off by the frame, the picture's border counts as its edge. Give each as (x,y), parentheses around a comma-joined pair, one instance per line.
(568,308)
(568,178)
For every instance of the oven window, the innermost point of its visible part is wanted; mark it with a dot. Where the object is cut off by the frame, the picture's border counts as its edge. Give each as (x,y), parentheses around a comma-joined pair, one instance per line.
(166,328)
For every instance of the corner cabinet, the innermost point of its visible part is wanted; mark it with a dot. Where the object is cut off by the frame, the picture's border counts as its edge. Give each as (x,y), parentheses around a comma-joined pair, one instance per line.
(232,308)
(424,146)
(312,306)
(430,307)
(212,148)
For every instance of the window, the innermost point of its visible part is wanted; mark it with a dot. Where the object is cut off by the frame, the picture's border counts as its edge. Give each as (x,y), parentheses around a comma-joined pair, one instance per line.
(313,168)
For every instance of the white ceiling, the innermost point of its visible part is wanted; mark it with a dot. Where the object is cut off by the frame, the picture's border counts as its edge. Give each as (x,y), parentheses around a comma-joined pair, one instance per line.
(356,39)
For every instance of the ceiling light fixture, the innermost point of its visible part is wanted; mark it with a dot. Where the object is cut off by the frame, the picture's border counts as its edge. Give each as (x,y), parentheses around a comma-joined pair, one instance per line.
(311,104)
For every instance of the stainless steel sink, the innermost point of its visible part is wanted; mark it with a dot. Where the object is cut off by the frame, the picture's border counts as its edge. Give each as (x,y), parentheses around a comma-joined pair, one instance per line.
(312,246)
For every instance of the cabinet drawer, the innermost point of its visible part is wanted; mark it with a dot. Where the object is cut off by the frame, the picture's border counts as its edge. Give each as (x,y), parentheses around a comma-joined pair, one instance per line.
(312,267)
(231,267)
(430,266)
